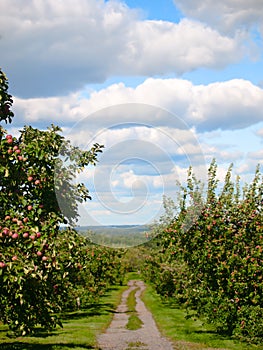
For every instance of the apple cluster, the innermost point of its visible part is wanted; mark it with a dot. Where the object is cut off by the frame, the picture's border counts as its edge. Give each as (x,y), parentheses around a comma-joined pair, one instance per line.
(18,232)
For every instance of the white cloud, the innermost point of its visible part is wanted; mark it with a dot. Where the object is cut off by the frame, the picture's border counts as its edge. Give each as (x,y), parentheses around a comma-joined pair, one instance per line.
(157,47)
(173,103)
(247,169)
(154,143)
(149,156)
(53,47)
(221,155)
(257,156)
(227,15)
(228,105)
(95,212)
(42,110)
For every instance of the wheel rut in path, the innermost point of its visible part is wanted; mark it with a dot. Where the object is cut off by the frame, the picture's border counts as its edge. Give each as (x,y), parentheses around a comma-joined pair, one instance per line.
(118,337)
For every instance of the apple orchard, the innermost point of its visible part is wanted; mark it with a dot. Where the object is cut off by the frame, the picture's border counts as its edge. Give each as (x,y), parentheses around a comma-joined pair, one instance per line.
(206,258)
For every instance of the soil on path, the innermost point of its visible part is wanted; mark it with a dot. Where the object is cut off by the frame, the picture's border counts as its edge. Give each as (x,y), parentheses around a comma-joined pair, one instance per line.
(118,337)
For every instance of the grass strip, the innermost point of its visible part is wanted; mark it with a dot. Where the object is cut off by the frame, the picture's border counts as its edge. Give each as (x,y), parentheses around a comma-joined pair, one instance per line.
(131,301)
(79,332)
(134,322)
(191,334)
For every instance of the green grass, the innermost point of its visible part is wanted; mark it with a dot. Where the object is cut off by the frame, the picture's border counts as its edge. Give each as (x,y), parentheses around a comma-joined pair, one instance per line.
(132,276)
(131,301)
(187,333)
(134,322)
(79,330)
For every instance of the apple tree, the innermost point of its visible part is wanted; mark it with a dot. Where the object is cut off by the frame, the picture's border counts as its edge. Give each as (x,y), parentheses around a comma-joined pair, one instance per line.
(33,277)
(215,267)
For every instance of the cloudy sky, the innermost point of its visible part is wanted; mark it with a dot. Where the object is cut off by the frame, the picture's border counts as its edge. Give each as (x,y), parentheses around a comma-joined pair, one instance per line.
(162,84)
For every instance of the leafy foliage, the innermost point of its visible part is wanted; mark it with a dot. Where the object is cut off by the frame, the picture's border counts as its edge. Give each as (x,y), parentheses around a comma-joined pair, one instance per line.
(43,269)
(215,266)
(5,100)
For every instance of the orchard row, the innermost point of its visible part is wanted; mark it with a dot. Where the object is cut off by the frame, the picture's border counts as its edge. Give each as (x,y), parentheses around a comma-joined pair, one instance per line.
(209,258)
(43,269)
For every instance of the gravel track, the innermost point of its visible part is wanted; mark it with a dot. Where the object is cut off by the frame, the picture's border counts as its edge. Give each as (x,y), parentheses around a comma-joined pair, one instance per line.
(118,337)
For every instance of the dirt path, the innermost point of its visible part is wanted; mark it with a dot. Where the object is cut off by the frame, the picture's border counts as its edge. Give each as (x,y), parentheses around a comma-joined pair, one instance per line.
(118,337)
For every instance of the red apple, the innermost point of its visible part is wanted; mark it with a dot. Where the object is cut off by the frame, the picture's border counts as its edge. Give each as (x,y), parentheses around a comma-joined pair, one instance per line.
(2,264)
(25,220)
(26,234)
(39,253)
(5,231)
(15,236)
(29,207)
(38,234)
(14,258)
(30,178)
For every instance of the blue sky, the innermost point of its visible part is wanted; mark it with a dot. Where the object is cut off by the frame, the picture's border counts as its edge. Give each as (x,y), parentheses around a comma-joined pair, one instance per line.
(162,84)
(157,10)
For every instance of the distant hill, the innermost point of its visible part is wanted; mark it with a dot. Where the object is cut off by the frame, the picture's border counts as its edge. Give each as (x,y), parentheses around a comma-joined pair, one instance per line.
(116,235)
(115,229)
